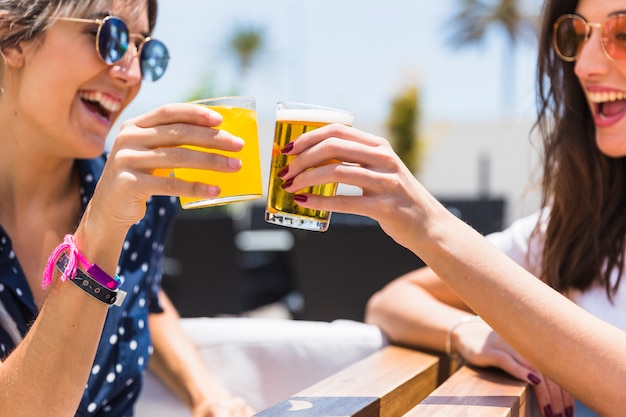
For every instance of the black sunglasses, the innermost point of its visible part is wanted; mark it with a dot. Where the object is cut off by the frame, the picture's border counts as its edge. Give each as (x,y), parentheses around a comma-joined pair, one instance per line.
(113,39)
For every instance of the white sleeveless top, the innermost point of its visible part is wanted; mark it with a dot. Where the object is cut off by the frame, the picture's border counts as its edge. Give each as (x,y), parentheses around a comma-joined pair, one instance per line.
(515,242)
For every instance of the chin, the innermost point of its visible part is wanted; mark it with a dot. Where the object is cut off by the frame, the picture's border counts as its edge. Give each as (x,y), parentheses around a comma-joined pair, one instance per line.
(613,149)
(94,146)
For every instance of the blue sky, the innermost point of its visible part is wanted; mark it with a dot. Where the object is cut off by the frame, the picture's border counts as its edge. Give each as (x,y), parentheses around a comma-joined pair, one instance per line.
(350,54)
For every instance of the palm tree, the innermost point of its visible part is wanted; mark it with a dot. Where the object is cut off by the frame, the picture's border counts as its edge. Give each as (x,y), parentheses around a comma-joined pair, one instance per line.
(403,125)
(474,20)
(246,43)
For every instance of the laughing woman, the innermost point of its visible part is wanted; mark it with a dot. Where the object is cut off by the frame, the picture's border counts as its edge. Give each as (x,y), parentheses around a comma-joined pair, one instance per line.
(70,343)
(576,243)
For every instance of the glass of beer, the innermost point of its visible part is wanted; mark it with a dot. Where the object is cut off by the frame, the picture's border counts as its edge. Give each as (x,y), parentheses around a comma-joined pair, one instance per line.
(292,120)
(240,119)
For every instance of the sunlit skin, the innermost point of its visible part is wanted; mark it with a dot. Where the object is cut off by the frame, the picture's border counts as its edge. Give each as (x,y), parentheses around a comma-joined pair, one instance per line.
(58,104)
(600,74)
(490,284)
(68,127)
(53,133)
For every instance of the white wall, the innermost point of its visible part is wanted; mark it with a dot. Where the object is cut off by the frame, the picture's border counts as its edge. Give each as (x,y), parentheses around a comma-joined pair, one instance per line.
(452,159)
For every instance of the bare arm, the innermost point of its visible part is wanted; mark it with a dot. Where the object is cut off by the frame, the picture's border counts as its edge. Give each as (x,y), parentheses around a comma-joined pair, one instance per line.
(546,328)
(48,370)
(178,363)
(528,314)
(416,309)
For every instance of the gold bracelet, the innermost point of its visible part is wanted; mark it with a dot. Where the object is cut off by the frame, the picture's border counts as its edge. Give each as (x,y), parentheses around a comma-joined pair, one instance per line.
(453,327)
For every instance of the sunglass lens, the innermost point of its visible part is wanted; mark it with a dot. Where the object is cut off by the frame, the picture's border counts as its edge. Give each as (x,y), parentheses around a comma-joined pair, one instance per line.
(154,60)
(570,33)
(614,37)
(113,40)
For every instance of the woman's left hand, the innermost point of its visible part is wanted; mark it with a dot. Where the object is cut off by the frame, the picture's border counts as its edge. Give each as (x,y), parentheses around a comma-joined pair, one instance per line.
(480,346)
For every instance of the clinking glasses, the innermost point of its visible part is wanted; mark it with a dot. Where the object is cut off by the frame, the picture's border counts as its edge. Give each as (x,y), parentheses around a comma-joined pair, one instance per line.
(113,39)
(571,32)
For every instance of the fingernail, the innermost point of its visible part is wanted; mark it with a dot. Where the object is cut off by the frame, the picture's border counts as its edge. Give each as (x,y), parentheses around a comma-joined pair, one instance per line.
(534,379)
(287,184)
(547,411)
(234,163)
(213,189)
(283,172)
(300,198)
(239,141)
(287,148)
(569,411)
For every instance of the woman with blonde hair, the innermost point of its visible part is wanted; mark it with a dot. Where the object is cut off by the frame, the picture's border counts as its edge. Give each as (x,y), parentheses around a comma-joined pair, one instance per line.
(78,341)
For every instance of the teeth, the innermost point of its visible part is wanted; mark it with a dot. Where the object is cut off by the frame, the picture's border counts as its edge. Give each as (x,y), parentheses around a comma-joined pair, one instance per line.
(606,96)
(107,103)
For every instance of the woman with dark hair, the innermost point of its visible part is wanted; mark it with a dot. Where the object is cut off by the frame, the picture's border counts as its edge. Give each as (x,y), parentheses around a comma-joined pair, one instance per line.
(69,212)
(576,243)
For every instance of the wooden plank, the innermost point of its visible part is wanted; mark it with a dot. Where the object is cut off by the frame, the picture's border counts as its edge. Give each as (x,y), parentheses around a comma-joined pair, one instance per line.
(387,383)
(479,392)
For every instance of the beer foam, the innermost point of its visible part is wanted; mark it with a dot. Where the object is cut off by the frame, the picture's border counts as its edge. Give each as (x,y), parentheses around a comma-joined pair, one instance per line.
(314,115)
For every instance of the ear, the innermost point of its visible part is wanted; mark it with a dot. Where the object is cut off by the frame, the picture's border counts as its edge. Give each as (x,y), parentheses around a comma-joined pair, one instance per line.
(13,56)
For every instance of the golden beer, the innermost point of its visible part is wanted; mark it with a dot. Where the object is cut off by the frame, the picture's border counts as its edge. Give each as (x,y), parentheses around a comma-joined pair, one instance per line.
(293,120)
(243,185)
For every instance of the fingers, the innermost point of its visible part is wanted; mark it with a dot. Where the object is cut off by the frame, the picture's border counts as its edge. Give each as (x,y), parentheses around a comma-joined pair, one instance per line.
(553,400)
(494,351)
(169,158)
(347,133)
(174,136)
(350,174)
(341,143)
(150,146)
(225,407)
(176,125)
(178,113)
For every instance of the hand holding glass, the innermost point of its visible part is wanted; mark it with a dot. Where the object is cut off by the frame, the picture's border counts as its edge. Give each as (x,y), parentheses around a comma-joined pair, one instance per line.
(292,120)
(240,119)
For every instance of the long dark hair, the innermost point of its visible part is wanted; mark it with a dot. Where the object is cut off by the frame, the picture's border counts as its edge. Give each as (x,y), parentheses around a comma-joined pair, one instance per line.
(584,189)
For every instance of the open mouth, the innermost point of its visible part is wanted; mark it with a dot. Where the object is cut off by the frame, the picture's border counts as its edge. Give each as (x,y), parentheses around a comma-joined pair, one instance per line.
(612,108)
(99,103)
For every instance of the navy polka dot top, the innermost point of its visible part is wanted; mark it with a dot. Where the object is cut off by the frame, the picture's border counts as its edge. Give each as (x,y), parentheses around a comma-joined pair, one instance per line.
(122,357)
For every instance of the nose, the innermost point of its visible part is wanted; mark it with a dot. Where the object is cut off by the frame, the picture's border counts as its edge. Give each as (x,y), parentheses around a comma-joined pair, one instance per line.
(592,59)
(128,69)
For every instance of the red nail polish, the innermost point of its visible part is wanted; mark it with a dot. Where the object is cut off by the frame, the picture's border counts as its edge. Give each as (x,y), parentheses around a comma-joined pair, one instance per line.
(534,379)
(287,184)
(287,148)
(300,198)
(283,172)
(547,411)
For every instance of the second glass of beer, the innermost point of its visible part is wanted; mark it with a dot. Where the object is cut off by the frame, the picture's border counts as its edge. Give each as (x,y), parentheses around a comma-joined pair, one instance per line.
(292,120)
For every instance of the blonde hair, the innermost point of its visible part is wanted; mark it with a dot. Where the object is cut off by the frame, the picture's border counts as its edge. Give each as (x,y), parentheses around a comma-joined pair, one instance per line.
(23,20)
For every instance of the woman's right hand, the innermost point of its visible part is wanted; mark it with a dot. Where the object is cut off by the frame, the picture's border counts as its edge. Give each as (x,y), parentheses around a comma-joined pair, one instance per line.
(390,192)
(480,346)
(144,144)
(151,142)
